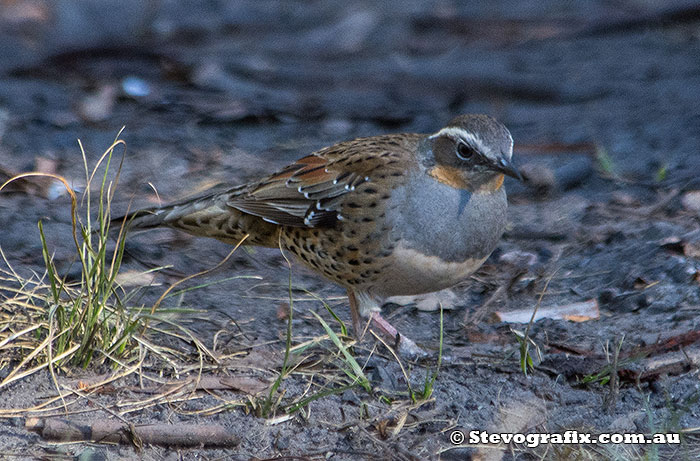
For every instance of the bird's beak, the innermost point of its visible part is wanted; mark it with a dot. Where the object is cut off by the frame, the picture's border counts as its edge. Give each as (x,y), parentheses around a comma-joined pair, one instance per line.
(505,166)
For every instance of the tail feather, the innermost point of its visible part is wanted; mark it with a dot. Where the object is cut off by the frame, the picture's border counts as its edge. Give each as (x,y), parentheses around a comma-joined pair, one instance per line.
(206,216)
(164,216)
(146,218)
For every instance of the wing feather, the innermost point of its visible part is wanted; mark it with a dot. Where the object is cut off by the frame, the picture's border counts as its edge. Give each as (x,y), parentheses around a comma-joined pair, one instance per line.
(311,191)
(290,197)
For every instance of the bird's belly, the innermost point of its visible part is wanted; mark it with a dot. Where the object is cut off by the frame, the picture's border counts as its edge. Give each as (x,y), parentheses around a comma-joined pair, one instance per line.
(411,272)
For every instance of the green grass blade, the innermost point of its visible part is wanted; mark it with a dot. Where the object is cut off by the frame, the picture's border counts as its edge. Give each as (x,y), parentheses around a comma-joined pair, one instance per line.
(349,359)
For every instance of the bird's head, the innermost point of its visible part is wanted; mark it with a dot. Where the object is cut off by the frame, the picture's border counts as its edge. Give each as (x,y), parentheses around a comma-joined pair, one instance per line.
(472,152)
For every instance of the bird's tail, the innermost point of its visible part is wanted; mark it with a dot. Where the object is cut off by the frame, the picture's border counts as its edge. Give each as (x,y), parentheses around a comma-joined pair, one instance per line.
(206,216)
(165,216)
(146,218)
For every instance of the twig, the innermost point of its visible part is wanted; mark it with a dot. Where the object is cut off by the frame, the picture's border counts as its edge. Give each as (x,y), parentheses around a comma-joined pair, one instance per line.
(183,435)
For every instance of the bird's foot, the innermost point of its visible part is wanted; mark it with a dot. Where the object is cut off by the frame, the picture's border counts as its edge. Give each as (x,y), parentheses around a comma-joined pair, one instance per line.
(428,302)
(404,345)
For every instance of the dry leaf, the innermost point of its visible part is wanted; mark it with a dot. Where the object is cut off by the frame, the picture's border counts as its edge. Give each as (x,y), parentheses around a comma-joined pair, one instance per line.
(283,311)
(576,312)
(692,249)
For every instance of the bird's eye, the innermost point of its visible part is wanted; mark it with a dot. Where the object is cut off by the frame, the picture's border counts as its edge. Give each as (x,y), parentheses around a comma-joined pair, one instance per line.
(465,152)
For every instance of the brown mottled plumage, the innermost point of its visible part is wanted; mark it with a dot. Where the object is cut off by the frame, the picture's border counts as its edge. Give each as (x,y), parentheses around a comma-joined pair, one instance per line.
(386,215)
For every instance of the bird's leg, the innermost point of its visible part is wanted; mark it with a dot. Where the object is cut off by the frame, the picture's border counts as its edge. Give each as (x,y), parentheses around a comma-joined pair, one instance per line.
(364,305)
(402,343)
(356,325)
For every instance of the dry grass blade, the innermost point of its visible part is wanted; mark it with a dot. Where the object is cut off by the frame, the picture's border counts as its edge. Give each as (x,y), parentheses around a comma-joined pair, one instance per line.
(198,274)
(526,361)
(16,335)
(15,374)
(396,357)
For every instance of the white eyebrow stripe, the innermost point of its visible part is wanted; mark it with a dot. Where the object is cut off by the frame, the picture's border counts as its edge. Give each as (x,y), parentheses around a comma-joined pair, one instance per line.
(512,144)
(459,133)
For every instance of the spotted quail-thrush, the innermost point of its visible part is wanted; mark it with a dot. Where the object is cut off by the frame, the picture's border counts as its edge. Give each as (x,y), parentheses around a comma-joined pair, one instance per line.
(396,214)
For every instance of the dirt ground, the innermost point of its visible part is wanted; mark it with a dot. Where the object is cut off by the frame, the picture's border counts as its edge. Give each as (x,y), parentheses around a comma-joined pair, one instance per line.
(602,101)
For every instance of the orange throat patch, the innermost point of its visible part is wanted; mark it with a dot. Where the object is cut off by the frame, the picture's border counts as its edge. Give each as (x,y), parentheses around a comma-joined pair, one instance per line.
(494,184)
(453,177)
(448,175)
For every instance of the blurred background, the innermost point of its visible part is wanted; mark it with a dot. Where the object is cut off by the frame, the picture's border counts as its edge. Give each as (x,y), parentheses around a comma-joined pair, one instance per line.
(602,99)
(219,92)
(198,79)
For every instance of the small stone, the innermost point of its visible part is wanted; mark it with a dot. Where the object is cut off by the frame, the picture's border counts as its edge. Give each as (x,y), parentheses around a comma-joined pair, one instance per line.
(518,258)
(97,107)
(624,198)
(135,87)
(691,200)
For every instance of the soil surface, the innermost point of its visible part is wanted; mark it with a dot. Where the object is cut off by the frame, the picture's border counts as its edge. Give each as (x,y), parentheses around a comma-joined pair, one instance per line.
(602,101)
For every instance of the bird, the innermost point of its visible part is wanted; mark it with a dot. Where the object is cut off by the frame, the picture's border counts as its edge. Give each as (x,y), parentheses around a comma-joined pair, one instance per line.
(381,216)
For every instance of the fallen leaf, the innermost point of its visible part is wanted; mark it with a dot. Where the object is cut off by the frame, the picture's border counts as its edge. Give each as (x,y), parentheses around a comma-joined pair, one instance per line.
(624,198)
(519,258)
(283,311)
(576,312)
(278,420)
(24,12)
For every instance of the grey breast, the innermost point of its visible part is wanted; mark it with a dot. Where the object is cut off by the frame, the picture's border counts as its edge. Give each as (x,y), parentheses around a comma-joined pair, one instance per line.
(452,224)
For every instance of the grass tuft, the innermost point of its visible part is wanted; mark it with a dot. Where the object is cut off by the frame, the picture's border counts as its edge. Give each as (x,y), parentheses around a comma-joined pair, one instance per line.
(49,321)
